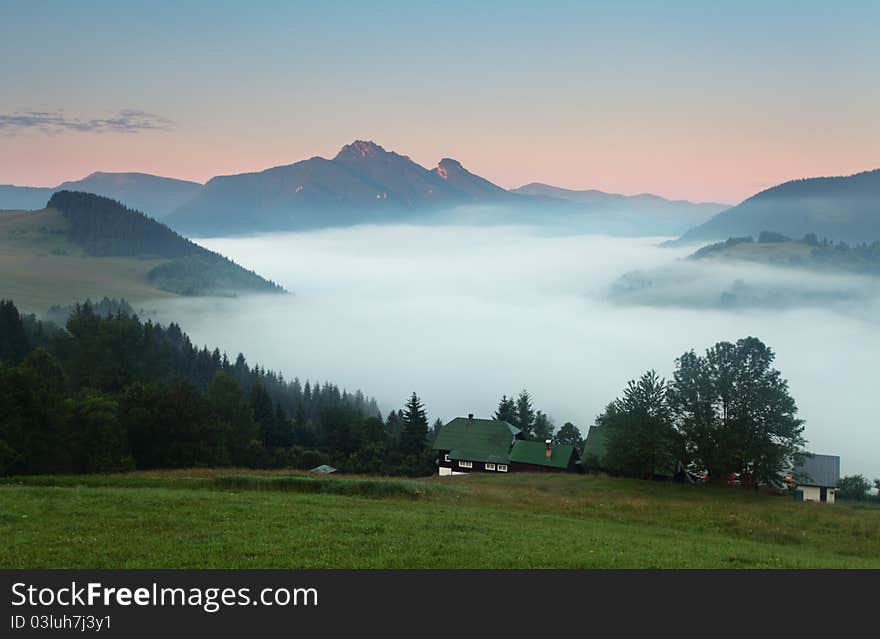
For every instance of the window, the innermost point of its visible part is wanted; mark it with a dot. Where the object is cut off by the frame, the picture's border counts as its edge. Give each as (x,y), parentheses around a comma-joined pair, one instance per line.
(502,468)
(465,464)
(446,457)
(490,466)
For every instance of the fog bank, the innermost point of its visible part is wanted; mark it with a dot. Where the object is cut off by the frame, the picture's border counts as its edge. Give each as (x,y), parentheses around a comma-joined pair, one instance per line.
(462,315)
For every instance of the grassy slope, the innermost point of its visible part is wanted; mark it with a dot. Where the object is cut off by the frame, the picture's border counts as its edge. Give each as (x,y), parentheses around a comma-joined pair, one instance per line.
(768,252)
(796,254)
(36,277)
(187,519)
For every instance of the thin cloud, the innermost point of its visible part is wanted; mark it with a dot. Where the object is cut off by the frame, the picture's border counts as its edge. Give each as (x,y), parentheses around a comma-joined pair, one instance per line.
(56,122)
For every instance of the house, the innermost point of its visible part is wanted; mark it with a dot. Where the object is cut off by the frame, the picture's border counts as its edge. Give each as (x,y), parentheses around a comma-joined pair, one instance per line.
(467,445)
(817,477)
(546,457)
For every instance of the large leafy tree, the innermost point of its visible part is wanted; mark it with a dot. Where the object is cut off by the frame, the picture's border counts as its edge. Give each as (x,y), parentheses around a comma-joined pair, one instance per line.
(640,437)
(735,412)
(568,434)
(543,426)
(102,439)
(854,487)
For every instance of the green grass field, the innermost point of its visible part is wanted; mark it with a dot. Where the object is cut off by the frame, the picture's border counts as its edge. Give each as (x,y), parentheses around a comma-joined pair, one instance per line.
(40,267)
(222,519)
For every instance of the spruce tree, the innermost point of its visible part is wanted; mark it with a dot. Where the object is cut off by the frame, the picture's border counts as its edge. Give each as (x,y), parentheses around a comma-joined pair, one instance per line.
(413,437)
(640,435)
(13,338)
(506,410)
(525,416)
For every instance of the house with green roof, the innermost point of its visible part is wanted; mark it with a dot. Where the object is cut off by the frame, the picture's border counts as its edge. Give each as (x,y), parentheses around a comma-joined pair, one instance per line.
(543,457)
(467,445)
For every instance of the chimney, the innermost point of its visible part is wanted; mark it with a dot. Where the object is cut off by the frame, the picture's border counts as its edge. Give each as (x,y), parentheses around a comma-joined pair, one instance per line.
(470,417)
(549,444)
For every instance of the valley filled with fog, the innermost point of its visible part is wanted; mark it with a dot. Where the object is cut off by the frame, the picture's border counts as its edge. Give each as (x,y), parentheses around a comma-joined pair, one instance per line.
(464,314)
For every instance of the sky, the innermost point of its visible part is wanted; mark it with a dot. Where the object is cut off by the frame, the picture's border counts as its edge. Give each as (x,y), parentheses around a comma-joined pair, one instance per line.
(695,100)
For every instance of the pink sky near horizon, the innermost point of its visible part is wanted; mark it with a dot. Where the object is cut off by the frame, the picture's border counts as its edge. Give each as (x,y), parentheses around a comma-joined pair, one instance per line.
(720,167)
(687,100)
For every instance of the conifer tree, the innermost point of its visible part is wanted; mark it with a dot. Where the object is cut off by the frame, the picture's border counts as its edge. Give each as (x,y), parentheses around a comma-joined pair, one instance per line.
(413,437)
(525,415)
(506,410)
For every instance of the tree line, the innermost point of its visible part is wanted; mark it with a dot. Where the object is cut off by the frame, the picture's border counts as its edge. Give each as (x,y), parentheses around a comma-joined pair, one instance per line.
(858,488)
(535,424)
(862,257)
(726,412)
(112,392)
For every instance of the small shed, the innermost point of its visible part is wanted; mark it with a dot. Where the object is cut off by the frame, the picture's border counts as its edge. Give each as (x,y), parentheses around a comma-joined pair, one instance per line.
(323,469)
(817,477)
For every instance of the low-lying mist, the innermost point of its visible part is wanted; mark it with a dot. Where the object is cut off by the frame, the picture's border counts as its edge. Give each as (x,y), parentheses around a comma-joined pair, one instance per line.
(463,315)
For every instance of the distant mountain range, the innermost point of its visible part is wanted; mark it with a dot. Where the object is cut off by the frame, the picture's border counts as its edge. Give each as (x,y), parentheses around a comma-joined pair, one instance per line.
(364,183)
(838,208)
(154,195)
(644,204)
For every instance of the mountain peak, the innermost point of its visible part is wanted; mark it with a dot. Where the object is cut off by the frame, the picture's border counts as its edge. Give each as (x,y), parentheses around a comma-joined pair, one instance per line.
(360,149)
(447,166)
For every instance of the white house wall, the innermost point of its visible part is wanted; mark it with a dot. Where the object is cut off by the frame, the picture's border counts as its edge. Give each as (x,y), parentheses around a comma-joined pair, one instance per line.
(811,493)
(444,471)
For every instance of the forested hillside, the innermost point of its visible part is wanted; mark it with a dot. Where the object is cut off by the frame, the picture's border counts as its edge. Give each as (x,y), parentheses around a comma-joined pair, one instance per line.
(114,393)
(105,228)
(845,208)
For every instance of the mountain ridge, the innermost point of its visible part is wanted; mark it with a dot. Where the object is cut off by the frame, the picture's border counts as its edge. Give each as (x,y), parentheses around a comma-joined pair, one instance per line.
(155,195)
(841,208)
(362,183)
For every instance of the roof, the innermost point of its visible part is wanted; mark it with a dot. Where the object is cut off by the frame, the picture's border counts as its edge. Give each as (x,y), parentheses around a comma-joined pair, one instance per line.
(498,455)
(526,452)
(476,439)
(596,448)
(818,470)
(323,468)
(594,445)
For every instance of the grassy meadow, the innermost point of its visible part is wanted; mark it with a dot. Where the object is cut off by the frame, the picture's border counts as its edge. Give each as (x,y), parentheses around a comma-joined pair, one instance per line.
(41,267)
(223,519)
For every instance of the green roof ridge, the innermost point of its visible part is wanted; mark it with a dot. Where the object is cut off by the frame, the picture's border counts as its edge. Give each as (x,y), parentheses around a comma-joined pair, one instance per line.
(535,453)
